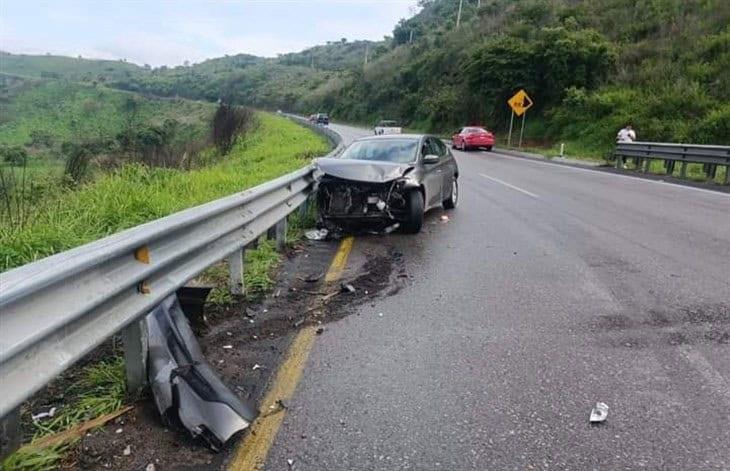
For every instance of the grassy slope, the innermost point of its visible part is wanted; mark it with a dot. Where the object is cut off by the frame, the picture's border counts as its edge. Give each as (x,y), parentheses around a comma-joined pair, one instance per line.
(136,194)
(67,110)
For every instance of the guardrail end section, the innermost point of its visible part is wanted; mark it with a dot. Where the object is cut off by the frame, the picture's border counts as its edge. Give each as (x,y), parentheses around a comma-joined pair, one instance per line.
(136,344)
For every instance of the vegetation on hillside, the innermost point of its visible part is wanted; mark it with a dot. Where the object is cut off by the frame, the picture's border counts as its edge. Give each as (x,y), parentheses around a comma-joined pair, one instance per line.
(135,193)
(590,65)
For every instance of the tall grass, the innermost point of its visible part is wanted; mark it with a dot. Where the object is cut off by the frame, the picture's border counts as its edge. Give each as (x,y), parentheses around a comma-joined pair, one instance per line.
(135,194)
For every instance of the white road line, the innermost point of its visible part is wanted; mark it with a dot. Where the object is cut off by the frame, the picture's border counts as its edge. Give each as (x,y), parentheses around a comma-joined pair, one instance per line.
(509,185)
(599,172)
(710,374)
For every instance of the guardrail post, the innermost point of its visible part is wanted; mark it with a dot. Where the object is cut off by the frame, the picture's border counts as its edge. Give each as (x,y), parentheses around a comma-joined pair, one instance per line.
(9,433)
(727,175)
(280,231)
(135,341)
(235,271)
(683,170)
(646,164)
(619,161)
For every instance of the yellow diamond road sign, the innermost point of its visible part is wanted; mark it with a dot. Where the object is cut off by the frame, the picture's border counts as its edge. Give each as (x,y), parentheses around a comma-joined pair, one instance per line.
(520,102)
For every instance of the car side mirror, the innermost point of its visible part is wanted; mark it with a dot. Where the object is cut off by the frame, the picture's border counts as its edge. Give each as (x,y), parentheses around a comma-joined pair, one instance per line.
(430,159)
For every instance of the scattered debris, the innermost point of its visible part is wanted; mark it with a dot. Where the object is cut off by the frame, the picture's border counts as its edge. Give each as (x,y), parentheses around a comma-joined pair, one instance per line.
(444,218)
(183,383)
(391,228)
(599,413)
(119,430)
(277,293)
(42,415)
(317,234)
(299,322)
(312,278)
(227,347)
(320,330)
(150,467)
(380,314)
(75,432)
(290,462)
(280,403)
(230,334)
(347,288)
(258,367)
(127,451)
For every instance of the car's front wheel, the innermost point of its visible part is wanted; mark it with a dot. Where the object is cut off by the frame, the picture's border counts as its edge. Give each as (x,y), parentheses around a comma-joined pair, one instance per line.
(489,148)
(414,221)
(453,199)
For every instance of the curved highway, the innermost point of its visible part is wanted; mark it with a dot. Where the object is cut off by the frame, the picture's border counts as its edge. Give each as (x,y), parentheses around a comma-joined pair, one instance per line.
(550,288)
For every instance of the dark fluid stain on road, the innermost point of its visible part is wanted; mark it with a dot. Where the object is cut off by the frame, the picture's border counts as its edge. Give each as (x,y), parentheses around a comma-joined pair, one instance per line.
(699,324)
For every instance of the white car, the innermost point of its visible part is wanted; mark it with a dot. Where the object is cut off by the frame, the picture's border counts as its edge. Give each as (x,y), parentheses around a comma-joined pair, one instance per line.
(387,127)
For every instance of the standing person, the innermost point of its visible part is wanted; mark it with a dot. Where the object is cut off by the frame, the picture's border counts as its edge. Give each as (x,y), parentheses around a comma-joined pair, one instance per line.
(626,134)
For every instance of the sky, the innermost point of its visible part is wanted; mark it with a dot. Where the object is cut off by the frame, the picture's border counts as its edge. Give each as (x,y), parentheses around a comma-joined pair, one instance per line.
(169,32)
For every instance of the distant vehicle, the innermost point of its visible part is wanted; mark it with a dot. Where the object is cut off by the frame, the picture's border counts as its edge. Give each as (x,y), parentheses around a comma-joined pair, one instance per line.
(322,118)
(472,137)
(312,118)
(381,180)
(387,127)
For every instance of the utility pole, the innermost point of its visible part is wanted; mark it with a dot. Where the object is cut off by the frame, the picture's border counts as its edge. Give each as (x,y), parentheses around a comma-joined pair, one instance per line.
(458,16)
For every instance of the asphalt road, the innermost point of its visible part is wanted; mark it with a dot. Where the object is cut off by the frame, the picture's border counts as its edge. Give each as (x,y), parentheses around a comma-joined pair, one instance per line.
(550,288)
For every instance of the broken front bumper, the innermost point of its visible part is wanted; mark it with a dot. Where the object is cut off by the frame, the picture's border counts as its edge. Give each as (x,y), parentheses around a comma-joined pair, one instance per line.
(354,204)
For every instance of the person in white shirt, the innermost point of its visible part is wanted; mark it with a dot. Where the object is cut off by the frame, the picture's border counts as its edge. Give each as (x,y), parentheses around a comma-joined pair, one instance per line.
(626,134)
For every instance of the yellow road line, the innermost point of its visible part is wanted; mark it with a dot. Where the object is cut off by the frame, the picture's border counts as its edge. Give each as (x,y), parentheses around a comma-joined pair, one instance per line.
(252,452)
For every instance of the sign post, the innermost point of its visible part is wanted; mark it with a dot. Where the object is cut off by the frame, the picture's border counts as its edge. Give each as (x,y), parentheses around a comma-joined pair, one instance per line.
(509,136)
(520,103)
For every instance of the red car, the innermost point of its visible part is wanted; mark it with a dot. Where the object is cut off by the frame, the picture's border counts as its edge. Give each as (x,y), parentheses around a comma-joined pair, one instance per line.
(472,137)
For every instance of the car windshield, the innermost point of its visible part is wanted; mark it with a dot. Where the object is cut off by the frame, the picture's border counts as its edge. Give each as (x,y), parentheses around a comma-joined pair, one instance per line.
(388,123)
(400,151)
(473,130)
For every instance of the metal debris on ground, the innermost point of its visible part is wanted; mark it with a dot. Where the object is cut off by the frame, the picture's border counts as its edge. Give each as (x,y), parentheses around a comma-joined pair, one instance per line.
(444,218)
(599,413)
(290,462)
(258,367)
(227,347)
(184,385)
(42,415)
(150,467)
(317,234)
(320,330)
(347,288)
(127,451)
(119,430)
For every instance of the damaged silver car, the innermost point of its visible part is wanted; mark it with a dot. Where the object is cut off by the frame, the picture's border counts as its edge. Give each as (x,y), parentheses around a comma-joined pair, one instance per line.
(381,180)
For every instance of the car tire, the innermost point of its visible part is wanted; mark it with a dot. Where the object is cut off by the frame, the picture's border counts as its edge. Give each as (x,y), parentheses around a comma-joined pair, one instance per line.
(489,148)
(414,222)
(464,147)
(453,199)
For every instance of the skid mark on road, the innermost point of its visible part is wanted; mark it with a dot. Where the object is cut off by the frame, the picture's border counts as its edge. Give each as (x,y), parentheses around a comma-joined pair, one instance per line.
(508,185)
(254,449)
(707,371)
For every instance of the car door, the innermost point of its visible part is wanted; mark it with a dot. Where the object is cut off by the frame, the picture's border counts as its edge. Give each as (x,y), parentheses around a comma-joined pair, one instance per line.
(432,173)
(447,168)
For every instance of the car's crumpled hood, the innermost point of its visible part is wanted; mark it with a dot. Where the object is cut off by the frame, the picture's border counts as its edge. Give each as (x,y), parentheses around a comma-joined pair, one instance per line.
(362,170)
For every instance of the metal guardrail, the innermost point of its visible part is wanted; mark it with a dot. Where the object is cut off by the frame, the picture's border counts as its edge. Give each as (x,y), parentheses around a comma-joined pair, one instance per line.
(644,152)
(56,310)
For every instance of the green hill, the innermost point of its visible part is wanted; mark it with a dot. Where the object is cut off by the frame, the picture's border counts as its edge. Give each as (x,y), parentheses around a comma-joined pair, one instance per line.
(590,66)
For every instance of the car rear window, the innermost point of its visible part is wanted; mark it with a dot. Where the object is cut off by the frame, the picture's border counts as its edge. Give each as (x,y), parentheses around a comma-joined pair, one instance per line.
(474,130)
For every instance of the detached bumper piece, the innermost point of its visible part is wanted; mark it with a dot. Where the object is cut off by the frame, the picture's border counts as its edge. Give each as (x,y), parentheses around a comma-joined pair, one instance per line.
(184,386)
